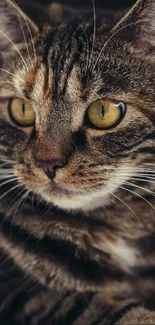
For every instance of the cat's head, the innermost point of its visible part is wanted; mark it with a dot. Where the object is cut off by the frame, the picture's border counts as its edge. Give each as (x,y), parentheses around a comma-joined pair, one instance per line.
(77,103)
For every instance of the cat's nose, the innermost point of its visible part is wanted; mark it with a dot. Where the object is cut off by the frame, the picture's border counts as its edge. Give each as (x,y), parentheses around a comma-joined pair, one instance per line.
(50,166)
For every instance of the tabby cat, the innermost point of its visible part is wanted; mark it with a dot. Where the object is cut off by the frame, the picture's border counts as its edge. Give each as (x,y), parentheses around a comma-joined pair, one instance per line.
(77,184)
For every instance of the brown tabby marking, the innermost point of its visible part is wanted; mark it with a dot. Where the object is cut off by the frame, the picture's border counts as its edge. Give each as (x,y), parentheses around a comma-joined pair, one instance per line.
(89,225)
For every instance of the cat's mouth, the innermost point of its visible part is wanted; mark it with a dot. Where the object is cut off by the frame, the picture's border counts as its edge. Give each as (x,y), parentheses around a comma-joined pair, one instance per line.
(67,190)
(75,199)
(62,191)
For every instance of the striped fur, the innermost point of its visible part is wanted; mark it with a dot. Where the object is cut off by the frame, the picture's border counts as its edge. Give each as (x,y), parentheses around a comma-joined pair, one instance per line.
(80,249)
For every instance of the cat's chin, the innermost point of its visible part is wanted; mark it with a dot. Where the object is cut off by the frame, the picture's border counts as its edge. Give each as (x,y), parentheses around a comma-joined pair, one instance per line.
(73,201)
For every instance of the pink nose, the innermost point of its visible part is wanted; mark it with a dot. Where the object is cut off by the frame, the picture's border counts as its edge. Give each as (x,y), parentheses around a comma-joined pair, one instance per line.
(50,166)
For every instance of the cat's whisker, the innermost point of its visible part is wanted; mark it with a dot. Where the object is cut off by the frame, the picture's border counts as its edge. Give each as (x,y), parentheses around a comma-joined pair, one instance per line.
(94,35)
(138,172)
(16,48)
(116,197)
(150,175)
(4,170)
(88,50)
(6,167)
(9,181)
(133,167)
(131,177)
(112,36)
(39,201)
(11,189)
(143,175)
(7,162)
(33,196)
(3,158)
(27,48)
(130,170)
(140,187)
(30,33)
(145,179)
(139,175)
(149,164)
(32,40)
(142,178)
(20,201)
(137,194)
(7,176)
(14,200)
(12,74)
(13,209)
(121,175)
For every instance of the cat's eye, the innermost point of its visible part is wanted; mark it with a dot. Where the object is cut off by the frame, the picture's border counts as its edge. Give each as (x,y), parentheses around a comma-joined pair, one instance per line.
(21,112)
(105,114)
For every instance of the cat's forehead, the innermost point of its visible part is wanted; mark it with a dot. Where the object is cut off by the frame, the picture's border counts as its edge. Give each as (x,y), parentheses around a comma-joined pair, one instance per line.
(63,67)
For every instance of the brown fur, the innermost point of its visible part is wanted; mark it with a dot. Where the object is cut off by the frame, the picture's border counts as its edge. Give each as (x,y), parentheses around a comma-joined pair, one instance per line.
(90,228)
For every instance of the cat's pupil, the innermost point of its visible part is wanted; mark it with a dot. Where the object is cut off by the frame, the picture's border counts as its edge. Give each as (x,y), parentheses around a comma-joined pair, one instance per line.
(23,109)
(102,111)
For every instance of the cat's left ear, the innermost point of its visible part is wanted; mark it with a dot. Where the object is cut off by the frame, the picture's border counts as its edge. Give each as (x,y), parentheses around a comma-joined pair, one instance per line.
(15,26)
(138,27)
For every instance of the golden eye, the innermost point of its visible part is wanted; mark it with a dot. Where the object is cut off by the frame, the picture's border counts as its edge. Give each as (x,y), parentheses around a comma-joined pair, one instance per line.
(21,112)
(105,114)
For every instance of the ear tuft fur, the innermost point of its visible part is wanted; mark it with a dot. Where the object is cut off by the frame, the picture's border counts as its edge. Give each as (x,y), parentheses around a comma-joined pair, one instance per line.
(13,25)
(138,26)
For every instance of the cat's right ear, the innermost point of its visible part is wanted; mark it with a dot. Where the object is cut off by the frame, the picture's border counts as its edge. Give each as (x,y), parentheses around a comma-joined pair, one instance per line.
(15,25)
(138,27)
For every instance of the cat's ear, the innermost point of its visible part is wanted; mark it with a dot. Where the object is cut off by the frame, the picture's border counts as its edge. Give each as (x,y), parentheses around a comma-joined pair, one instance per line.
(15,26)
(138,27)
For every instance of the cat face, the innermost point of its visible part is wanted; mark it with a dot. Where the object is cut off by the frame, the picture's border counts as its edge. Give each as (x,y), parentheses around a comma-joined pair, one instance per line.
(77,104)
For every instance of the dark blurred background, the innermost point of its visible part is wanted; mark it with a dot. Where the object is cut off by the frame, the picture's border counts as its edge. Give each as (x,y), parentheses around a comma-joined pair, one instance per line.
(98,3)
(56,13)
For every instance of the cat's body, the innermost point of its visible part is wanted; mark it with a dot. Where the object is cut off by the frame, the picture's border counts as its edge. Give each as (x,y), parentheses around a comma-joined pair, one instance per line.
(89,259)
